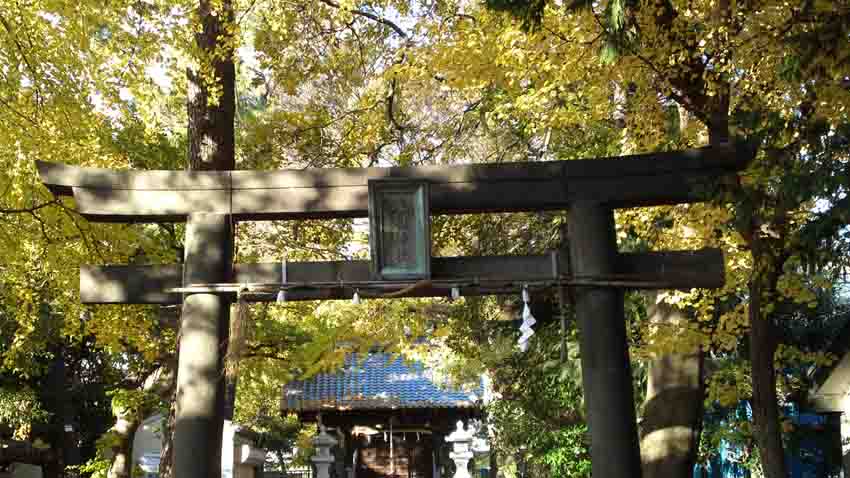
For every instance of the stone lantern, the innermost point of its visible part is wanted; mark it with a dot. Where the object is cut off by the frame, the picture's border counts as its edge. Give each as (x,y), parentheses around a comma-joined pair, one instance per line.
(461,440)
(323,457)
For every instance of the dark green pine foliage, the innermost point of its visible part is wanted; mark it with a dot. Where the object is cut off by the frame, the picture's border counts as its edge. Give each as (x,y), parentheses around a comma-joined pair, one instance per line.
(529,11)
(620,29)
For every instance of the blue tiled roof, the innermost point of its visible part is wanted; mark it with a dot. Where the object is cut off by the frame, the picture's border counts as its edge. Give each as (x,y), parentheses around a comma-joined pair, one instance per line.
(378,382)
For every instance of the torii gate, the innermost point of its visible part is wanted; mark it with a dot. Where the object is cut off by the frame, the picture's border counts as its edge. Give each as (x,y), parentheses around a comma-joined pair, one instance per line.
(211,200)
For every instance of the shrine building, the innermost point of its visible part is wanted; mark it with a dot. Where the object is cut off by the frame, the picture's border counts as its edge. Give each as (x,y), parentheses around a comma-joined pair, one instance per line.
(389,417)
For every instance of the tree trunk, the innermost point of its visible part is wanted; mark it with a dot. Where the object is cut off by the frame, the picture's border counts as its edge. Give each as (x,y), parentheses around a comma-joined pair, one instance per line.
(763,343)
(166,453)
(672,417)
(211,117)
(762,336)
(121,435)
(673,410)
(160,383)
(210,132)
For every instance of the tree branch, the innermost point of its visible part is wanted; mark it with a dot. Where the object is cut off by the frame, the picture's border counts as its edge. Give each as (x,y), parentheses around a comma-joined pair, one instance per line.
(29,210)
(90,245)
(18,113)
(390,100)
(33,72)
(371,16)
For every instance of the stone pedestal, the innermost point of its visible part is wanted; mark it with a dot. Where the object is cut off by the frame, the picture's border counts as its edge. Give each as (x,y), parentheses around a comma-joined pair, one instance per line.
(323,457)
(461,440)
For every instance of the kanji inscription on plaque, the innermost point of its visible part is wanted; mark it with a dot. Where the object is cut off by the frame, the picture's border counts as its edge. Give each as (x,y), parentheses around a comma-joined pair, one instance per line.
(400,236)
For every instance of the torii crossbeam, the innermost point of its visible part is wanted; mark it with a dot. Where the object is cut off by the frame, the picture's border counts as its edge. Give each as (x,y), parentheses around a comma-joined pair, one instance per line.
(105,195)
(588,189)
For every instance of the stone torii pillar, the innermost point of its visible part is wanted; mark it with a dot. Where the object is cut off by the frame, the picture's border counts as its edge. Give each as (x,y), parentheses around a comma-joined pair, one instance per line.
(589,189)
(605,365)
(204,330)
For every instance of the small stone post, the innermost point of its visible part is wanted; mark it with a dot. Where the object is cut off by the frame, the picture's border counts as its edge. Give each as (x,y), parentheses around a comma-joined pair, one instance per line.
(323,457)
(462,450)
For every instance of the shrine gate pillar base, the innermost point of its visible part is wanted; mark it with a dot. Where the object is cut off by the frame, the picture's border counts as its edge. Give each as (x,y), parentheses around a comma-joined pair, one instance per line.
(606,372)
(204,330)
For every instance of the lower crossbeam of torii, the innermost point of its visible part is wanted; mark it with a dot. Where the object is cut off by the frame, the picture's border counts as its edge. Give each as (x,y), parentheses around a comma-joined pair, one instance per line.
(589,264)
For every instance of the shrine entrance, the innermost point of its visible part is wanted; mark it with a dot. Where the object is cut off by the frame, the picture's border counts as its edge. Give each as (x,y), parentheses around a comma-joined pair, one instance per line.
(409,457)
(399,202)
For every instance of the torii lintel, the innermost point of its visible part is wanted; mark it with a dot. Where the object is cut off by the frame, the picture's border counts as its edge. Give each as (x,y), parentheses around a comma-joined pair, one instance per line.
(104,195)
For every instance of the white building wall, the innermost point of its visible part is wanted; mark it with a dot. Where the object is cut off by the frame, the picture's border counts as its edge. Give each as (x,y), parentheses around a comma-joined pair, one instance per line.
(834,396)
(147,443)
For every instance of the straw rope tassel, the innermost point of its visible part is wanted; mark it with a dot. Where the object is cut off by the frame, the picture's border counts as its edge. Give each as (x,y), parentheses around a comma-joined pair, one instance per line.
(239,335)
